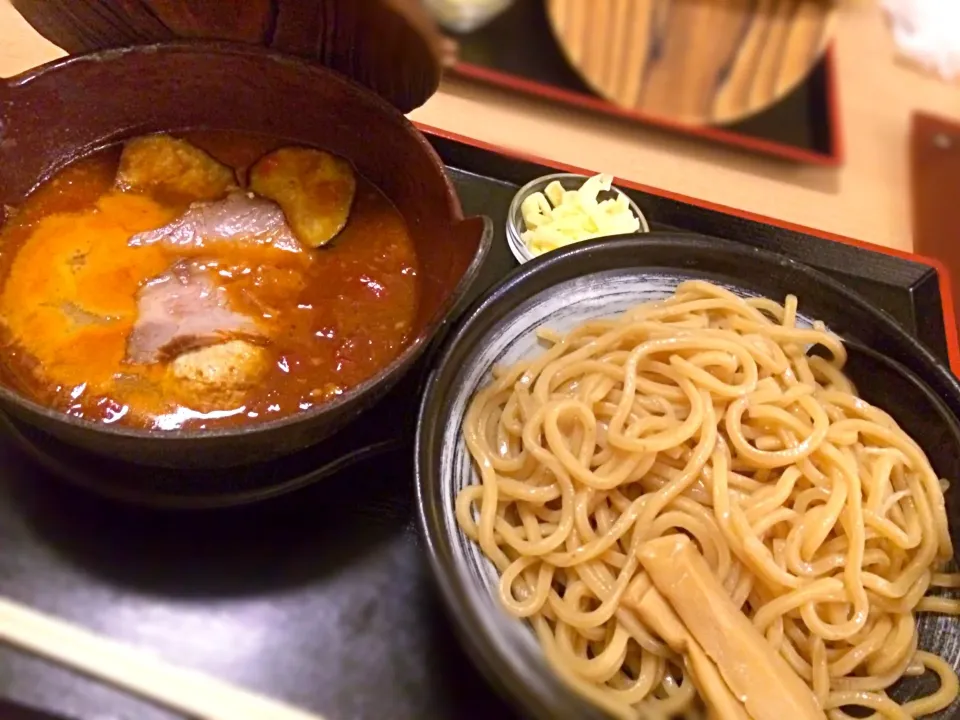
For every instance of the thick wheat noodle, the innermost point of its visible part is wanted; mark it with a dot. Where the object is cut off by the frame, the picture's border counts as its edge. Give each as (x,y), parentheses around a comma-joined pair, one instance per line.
(704,414)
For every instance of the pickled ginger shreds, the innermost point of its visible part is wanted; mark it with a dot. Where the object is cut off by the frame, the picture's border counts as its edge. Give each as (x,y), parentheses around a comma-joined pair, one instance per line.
(928,33)
(558,217)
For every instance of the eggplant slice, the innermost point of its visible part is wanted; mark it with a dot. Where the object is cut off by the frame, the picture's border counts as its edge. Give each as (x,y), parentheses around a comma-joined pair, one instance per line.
(314,188)
(172,168)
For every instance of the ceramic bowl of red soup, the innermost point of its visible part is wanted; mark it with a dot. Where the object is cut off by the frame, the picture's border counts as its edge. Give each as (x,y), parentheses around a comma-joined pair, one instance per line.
(215,255)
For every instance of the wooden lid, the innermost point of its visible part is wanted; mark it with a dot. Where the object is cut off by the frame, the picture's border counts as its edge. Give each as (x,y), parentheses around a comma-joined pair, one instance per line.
(693,61)
(391,46)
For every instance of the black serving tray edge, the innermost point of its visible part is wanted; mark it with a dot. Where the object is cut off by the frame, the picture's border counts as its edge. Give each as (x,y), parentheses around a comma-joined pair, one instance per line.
(872,270)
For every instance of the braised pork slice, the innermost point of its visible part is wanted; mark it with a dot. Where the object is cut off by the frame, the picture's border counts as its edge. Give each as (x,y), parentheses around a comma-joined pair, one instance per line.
(183,309)
(173,168)
(240,217)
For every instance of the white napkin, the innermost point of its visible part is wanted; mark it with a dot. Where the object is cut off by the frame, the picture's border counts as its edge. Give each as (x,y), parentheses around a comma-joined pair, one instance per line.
(928,32)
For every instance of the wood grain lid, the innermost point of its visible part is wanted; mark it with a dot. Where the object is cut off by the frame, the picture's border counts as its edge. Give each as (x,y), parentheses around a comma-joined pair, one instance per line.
(693,61)
(390,46)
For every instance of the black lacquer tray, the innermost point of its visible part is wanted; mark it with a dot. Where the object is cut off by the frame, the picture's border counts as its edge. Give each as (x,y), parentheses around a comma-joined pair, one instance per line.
(517,50)
(322,597)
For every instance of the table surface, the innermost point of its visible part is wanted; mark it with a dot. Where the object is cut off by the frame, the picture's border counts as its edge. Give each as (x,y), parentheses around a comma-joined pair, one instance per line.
(868,198)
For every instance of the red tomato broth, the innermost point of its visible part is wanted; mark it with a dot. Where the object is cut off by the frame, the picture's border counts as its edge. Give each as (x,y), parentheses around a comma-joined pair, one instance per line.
(334,316)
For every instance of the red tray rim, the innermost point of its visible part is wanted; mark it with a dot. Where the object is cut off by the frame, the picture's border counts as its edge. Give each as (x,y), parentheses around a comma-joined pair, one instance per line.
(727,137)
(943,274)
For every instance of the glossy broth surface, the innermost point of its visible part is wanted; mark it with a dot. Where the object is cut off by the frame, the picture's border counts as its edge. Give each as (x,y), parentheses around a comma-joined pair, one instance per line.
(332,316)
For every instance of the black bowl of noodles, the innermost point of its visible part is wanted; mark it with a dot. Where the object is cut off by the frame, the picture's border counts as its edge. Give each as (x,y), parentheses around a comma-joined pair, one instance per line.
(673,470)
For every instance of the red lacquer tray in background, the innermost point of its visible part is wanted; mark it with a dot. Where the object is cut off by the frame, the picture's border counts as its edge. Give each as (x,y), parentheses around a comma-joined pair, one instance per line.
(517,51)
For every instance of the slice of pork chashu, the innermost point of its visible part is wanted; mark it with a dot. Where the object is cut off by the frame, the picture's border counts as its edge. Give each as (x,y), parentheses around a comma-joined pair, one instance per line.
(181,310)
(214,354)
(241,218)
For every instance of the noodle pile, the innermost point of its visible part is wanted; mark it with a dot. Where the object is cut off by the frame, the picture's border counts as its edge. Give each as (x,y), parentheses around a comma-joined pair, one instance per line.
(703,414)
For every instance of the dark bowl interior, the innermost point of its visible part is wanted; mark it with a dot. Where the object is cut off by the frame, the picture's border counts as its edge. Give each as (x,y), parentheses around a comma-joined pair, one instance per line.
(890,368)
(66,109)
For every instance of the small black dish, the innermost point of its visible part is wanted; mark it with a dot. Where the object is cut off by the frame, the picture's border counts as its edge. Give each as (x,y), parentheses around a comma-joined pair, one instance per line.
(595,279)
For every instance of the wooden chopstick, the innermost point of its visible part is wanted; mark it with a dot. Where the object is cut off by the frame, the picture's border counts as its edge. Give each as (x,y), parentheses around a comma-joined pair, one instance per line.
(185,691)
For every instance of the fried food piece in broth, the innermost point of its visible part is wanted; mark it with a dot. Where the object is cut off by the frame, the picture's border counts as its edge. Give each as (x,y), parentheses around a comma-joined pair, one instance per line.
(217,377)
